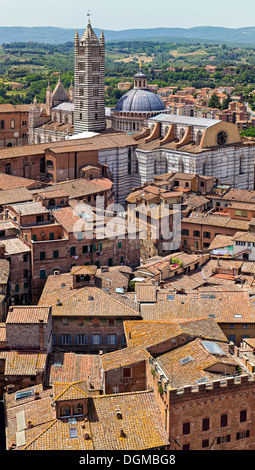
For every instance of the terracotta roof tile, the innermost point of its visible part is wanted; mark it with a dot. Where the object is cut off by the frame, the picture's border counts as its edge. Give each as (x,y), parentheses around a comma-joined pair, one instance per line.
(91,301)
(23,363)
(27,314)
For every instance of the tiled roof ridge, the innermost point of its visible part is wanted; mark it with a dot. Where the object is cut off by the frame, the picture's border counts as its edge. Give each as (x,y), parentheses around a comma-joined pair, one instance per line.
(83,266)
(69,385)
(40,434)
(137,392)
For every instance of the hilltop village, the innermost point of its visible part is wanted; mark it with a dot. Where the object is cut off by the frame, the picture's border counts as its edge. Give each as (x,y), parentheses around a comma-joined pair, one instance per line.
(127,261)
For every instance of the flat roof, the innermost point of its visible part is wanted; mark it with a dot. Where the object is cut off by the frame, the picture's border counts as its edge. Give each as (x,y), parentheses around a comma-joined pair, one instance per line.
(185,120)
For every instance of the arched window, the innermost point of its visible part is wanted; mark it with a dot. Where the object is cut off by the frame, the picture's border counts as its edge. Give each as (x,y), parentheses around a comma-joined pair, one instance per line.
(65,410)
(129,161)
(205,170)
(155,166)
(66,119)
(182,132)
(181,166)
(136,165)
(166,130)
(242,164)
(224,170)
(78,409)
(50,163)
(198,137)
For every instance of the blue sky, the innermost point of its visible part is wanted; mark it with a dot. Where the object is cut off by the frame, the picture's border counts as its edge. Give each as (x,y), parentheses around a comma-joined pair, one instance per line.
(117,15)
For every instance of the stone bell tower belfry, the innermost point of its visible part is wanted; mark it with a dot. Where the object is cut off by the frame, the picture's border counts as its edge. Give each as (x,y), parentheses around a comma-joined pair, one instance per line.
(89,82)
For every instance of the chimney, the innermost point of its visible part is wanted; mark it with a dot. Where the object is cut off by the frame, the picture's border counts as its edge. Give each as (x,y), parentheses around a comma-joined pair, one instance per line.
(41,338)
(118,414)
(122,433)
(37,395)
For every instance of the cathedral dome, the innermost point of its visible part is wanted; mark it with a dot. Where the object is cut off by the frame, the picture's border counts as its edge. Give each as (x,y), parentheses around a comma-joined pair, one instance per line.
(140,100)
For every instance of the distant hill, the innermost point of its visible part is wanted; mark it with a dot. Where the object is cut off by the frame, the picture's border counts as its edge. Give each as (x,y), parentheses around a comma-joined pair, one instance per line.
(53,35)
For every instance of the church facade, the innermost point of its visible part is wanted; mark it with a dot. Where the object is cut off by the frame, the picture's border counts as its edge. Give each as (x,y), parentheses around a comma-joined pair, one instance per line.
(54,120)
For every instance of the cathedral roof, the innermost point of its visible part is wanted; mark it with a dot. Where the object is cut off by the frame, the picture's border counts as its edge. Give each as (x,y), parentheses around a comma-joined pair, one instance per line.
(60,94)
(140,100)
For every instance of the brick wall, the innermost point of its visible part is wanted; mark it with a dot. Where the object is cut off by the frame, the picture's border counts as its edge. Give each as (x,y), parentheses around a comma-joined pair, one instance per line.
(126,379)
(87,327)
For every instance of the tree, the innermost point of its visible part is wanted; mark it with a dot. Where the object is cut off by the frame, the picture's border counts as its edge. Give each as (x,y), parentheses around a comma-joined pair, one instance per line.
(2,92)
(214,101)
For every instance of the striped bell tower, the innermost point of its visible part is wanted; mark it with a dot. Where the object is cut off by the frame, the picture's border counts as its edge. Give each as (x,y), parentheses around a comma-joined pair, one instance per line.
(89,82)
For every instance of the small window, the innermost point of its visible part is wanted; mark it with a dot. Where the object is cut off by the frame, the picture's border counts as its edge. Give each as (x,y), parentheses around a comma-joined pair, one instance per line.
(224,420)
(196,233)
(112,339)
(242,434)
(55,254)
(8,168)
(42,255)
(186,428)
(243,416)
(186,447)
(205,443)
(126,372)
(205,424)
(96,340)
(73,251)
(42,273)
(223,439)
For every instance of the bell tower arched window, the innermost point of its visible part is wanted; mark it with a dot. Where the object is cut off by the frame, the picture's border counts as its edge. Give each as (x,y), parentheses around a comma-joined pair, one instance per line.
(129,161)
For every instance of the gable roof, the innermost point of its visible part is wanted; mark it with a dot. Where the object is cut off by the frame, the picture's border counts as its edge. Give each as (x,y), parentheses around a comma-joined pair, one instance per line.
(93,302)
(193,362)
(70,391)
